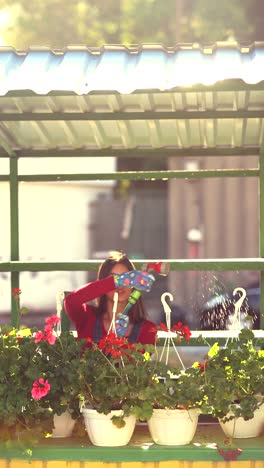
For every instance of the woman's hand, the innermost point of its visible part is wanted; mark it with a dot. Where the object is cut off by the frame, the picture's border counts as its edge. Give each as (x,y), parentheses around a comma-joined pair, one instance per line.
(140,280)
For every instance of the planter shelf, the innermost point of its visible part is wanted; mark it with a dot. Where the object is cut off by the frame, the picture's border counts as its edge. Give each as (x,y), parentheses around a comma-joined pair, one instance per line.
(141,449)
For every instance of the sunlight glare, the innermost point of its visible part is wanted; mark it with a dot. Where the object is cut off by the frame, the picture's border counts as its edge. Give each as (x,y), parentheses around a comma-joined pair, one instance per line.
(5,17)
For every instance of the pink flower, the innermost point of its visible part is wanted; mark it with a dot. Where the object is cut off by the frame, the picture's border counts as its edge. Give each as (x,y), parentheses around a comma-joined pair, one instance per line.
(47,336)
(39,337)
(52,320)
(51,338)
(40,388)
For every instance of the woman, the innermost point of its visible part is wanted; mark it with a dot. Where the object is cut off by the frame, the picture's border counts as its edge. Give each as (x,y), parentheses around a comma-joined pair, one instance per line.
(116,274)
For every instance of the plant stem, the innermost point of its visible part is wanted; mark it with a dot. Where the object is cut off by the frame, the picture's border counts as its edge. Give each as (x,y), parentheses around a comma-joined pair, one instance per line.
(109,362)
(17,300)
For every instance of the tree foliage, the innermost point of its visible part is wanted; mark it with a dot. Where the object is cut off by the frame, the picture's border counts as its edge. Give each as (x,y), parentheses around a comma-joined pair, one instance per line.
(226,20)
(56,23)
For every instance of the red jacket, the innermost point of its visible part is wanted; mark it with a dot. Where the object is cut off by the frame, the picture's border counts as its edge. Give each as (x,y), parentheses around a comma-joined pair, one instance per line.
(84,315)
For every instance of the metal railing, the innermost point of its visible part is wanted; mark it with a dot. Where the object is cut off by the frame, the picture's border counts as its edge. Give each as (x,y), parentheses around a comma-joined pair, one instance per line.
(15,266)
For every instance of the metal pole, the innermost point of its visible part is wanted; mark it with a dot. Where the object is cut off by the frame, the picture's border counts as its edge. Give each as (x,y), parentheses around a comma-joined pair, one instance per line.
(261,231)
(14,232)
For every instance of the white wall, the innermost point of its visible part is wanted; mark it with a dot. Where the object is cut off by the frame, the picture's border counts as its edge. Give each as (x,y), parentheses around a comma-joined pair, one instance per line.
(54,223)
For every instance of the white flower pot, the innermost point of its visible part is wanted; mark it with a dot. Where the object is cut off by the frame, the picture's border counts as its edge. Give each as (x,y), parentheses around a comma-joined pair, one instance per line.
(173,427)
(63,425)
(103,432)
(238,428)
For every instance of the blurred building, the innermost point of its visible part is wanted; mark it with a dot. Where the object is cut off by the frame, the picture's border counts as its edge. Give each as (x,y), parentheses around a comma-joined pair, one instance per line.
(53,223)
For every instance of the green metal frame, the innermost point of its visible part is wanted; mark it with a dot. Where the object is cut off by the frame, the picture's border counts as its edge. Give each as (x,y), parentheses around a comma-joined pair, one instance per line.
(261,236)
(139,450)
(15,266)
(146,115)
(139,175)
(163,152)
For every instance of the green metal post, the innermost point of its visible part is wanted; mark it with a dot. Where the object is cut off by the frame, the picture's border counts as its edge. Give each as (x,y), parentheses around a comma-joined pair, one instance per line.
(261,234)
(14,232)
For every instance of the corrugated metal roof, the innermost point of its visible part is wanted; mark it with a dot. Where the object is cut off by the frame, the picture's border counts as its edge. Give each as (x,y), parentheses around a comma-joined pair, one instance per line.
(89,99)
(117,68)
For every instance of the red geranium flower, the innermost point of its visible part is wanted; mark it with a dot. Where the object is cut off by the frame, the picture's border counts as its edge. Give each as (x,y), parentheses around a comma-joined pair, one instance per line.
(111,339)
(114,345)
(182,330)
(40,388)
(16,291)
(202,366)
(19,338)
(163,327)
(179,328)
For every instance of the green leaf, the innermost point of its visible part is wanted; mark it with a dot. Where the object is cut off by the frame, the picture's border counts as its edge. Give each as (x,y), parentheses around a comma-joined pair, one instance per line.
(23,310)
(118,421)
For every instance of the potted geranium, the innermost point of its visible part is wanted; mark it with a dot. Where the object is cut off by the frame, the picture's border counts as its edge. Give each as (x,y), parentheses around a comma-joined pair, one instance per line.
(21,418)
(177,398)
(112,377)
(234,385)
(122,382)
(37,369)
(176,406)
(56,362)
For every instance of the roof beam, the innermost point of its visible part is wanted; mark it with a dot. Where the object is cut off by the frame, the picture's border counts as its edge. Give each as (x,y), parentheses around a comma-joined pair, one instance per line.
(123,115)
(228,84)
(214,264)
(141,175)
(133,152)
